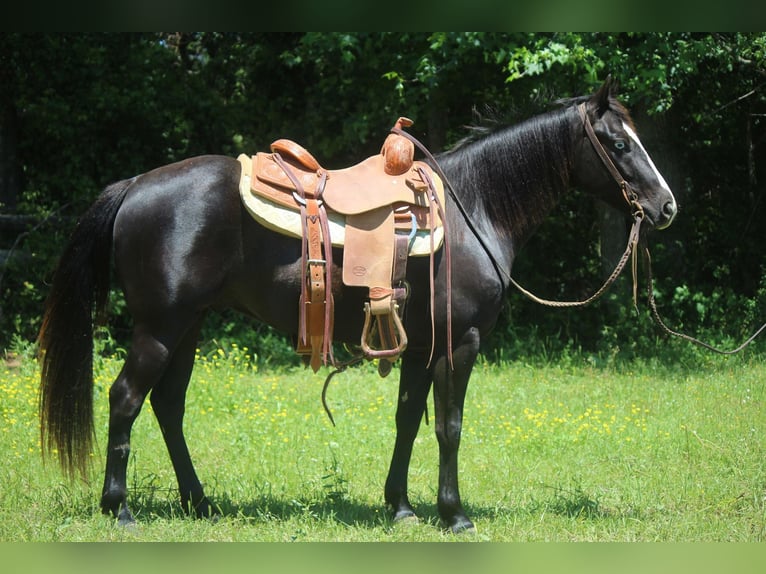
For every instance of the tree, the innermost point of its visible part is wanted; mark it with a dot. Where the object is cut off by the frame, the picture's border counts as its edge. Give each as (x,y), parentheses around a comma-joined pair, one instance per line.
(78,111)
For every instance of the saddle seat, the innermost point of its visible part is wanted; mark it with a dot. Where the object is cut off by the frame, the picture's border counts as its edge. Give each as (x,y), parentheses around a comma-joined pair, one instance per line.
(380,211)
(360,188)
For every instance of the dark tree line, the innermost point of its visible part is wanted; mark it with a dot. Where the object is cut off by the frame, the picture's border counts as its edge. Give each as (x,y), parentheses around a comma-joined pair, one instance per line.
(78,111)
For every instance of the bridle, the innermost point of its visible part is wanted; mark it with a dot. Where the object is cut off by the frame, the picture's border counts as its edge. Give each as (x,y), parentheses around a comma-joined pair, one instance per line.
(637,212)
(631,197)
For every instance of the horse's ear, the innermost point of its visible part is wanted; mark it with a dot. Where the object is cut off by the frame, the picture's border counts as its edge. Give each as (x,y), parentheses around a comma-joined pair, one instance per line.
(600,100)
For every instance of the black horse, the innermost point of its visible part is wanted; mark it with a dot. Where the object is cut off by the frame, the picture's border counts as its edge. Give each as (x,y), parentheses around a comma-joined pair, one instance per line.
(182,244)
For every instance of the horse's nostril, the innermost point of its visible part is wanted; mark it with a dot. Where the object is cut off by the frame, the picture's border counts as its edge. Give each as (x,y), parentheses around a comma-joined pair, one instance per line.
(669,209)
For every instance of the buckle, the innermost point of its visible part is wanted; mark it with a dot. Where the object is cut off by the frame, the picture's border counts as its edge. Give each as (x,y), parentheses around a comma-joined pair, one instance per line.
(320,262)
(637,209)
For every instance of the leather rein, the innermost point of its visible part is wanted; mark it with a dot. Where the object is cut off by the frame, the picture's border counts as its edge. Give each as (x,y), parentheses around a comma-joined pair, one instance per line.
(637,212)
(628,193)
(630,252)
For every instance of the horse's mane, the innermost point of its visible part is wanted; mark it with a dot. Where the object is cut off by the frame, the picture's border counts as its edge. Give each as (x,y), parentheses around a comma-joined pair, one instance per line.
(518,171)
(487,120)
(491,118)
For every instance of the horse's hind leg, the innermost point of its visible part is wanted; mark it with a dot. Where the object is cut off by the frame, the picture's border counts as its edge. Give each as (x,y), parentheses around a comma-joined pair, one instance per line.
(168,401)
(414,384)
(146,364)
(143,367)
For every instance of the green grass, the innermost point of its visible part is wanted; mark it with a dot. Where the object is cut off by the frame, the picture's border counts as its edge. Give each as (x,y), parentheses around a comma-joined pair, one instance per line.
(564,452)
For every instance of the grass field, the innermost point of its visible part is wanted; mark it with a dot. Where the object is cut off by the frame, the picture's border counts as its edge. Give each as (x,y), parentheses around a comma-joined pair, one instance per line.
(566,452)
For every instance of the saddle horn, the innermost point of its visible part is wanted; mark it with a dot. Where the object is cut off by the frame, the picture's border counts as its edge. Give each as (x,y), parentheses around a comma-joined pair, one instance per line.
(398,151)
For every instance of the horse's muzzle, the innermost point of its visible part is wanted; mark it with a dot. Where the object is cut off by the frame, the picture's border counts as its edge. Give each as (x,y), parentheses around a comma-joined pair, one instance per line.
(663,217)
(667,215)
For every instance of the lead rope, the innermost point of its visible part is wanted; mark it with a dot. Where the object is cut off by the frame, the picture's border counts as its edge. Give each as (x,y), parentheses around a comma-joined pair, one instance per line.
(669,331)
(630,250)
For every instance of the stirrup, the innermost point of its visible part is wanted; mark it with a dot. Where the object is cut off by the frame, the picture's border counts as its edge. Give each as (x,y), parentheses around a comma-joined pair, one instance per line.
(388,354)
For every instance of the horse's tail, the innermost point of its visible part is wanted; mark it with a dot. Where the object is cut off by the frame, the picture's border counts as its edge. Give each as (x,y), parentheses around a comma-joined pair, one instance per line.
(80,289)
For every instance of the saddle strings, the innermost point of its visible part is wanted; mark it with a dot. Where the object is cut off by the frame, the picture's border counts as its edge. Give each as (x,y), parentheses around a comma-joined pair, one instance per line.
(499,269)
(448,262)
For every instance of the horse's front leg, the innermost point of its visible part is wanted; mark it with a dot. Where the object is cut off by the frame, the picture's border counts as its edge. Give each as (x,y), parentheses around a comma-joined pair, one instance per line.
(414,384)
(449,396)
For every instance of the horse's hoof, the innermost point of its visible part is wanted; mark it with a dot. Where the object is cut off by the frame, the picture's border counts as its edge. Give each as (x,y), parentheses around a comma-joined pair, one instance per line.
(203,510)
(125,518)
(214,517)
(463,527)
(403,515)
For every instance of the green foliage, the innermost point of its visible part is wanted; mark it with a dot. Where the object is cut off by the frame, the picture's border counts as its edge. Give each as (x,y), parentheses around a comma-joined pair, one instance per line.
(543,53)
(92,108)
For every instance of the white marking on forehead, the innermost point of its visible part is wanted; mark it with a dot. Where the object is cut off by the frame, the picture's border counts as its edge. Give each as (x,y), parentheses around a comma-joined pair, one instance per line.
(634,137)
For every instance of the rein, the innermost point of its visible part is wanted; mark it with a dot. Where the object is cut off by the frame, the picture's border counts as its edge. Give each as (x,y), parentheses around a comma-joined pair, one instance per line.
(632,199)
(638,214)
(631,251)
(627,191)
(669,331)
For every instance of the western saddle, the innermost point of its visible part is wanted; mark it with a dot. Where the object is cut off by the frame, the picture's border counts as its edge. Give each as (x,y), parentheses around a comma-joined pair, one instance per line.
(380,211)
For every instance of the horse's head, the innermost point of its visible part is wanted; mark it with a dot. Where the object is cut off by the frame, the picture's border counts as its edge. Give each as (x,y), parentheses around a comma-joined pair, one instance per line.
(614,163)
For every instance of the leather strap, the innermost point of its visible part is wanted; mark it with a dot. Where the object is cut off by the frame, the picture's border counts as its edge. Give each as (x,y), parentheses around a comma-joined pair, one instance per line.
(630,196)
(435,205)
(315,271)
(389,337)
(315,321)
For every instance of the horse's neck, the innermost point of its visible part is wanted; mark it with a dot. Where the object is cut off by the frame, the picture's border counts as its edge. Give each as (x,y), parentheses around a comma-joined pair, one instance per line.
(511,179)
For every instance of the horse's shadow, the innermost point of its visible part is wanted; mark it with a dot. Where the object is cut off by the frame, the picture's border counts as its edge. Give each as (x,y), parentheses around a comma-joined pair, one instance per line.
(346,510)
(152,502)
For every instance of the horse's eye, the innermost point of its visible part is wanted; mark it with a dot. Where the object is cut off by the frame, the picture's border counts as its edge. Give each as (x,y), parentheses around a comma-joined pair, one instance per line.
(619,145)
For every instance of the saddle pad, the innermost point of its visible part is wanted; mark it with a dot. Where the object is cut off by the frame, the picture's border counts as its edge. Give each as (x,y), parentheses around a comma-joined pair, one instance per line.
(287,221)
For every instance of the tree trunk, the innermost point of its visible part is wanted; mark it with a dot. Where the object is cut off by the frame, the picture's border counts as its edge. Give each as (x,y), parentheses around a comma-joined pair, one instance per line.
(10,170)
(613,237)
